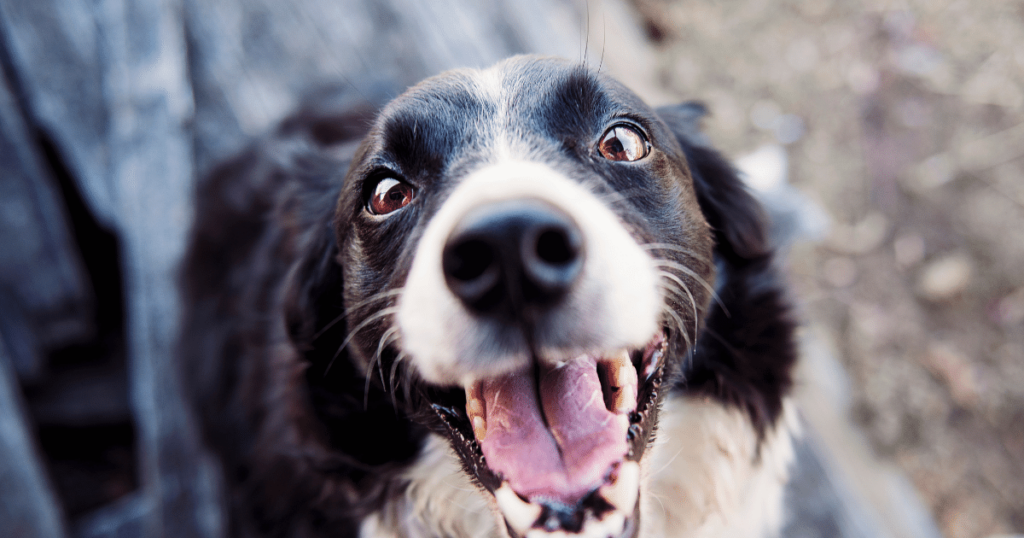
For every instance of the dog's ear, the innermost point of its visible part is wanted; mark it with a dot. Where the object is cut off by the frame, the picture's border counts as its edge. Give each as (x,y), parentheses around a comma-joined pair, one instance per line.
(736,218)
(312,300)
(313,153)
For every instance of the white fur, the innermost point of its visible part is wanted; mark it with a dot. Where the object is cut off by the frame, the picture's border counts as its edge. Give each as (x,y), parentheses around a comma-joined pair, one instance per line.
(440,502)
(706,478)
(613,305)
(703,479)
(491,83)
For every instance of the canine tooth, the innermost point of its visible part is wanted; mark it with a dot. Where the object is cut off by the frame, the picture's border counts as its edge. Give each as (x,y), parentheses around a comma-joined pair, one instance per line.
(520,514)
(621,378)
(652,364)
(479,428)
(623,493)
(475,410)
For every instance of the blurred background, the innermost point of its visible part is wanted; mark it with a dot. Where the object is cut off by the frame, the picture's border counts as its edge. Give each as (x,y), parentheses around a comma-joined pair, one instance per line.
(904,121)
(886,138)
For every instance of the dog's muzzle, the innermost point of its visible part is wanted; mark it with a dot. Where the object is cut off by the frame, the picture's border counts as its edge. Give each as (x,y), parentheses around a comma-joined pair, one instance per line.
(529,293)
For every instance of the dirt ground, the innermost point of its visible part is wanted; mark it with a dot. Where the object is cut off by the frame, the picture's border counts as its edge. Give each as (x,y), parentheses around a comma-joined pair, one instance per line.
(905,121)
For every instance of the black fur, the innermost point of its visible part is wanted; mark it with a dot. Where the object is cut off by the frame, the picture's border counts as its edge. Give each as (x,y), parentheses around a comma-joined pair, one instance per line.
(312,434)
(746,353)
(301,452)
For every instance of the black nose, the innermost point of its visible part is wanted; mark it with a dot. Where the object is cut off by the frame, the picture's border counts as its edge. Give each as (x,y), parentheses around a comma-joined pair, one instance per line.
(513,255)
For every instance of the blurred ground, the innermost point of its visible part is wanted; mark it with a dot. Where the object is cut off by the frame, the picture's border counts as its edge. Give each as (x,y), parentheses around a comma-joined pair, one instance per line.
(905,121)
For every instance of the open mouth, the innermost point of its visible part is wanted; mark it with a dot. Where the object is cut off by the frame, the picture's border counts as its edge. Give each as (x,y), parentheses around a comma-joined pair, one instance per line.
(559,445)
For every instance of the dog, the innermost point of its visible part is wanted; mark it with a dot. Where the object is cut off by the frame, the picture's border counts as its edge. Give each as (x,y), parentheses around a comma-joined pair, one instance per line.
(514,301)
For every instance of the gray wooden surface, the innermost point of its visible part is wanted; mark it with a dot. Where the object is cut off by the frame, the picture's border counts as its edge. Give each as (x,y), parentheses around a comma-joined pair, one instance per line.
(28,508)
(45,299)
(137,98)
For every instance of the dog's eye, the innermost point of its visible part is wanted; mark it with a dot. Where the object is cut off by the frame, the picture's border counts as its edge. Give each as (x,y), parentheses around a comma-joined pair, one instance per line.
(623,143)
(390,195)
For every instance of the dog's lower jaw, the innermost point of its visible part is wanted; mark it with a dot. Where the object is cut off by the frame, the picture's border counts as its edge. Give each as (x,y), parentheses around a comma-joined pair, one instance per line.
(706,476)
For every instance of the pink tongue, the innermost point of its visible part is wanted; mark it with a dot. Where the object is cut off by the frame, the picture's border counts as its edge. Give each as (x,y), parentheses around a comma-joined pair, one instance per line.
(526,453)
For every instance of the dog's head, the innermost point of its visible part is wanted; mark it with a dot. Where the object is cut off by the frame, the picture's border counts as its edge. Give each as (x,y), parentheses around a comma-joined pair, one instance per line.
(528,258)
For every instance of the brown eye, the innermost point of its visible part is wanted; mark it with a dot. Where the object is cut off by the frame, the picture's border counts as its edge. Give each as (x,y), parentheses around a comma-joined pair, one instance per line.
(390,195)
(623,143)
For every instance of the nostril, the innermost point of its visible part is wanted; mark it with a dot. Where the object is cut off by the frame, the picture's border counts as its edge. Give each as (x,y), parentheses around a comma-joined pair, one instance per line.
(552,259)
(471,270)
(468,260)
(556,247)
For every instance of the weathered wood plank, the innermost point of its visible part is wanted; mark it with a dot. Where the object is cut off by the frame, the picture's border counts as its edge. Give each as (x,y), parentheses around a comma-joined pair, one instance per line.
(28,508)
(124,518)
(45,298)
(152,174)
(53,48)
(254,61)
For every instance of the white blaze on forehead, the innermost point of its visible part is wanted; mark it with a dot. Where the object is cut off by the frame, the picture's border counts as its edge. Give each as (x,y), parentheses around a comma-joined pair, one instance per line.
(492,87)
(491,83)
(614,304)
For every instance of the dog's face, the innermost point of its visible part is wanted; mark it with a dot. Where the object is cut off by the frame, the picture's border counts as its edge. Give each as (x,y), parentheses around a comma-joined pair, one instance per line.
(524,253)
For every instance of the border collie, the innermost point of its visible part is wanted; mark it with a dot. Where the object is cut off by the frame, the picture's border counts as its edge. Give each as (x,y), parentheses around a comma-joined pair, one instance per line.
(518,301)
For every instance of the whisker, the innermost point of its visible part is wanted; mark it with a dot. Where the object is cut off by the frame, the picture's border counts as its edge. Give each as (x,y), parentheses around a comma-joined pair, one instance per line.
(668,246)
(352,308)
(376,297)
(407,388)
(328,327)
(394,387)
(680,320)
(385,339)
(352,334)
(682,327)
(658,498)
(690,344)
(366,386)
(586,46)
(700,280)
(686,289)
(669,462)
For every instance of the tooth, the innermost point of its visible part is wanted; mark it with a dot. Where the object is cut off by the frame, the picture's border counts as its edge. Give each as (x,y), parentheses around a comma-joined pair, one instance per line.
(623,493)
(653,362)
(612,524)
(520,514)
(475,410)
(479,428)
(620,375)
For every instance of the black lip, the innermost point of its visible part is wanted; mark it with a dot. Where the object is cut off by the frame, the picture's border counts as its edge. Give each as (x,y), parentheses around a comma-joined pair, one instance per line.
(645,418)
